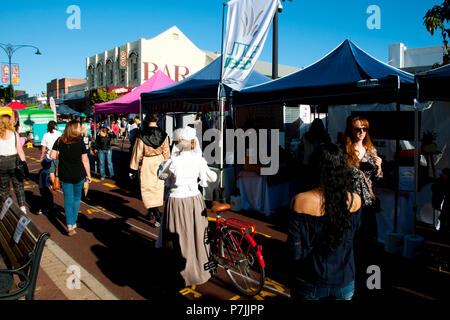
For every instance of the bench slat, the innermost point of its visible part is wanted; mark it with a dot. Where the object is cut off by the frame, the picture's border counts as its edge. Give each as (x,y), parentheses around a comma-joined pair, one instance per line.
(25,244)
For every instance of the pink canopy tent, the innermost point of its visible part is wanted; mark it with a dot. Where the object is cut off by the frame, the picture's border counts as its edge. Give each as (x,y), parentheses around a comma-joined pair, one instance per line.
(130,102)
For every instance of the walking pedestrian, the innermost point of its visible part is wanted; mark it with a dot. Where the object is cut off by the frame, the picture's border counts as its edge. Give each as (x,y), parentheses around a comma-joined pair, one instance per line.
(11,153)
(366,167)
(322,225)
(104,150)
(152,143)
(46,203)
(49,139)
(73,170)
(185,219)
(115,129)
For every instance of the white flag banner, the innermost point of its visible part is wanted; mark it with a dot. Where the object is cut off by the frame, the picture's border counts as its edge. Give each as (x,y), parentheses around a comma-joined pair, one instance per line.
(248,23)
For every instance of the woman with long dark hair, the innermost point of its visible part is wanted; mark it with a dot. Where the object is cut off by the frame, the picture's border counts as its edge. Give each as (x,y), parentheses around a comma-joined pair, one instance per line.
(73,170)
(322,224)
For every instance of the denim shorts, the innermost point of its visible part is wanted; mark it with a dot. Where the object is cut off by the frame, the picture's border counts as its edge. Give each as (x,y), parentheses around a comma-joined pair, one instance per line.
(306,291)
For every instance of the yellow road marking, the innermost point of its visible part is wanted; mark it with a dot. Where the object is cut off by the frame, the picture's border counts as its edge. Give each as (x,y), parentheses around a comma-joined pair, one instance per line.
(110,185)
(192,291)
(90,211)
(276,285)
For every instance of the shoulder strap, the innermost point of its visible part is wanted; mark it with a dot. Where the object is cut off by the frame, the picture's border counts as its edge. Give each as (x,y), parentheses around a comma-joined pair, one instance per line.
(351,202)
(57,156)
(368,185)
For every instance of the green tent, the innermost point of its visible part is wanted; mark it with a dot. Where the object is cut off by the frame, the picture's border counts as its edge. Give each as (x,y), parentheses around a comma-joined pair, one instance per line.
(29,116)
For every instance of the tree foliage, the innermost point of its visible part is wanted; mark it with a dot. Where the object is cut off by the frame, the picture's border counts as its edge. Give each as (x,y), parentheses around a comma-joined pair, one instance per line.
(5,93)
(101,95)
(438,18)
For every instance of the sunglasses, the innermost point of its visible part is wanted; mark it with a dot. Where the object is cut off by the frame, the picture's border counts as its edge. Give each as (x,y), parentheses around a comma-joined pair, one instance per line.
(362,129)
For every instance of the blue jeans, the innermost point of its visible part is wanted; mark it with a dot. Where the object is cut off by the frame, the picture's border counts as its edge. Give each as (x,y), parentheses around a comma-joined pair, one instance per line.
(307,291)
(72,199)
(102,154)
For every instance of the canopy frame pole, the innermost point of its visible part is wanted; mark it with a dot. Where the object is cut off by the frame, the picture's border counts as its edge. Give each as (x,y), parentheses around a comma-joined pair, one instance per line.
(416,153)
(221,103)
(397,167)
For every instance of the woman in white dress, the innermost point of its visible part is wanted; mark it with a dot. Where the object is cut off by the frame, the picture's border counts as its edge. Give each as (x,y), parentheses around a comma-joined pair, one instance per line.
(185,220)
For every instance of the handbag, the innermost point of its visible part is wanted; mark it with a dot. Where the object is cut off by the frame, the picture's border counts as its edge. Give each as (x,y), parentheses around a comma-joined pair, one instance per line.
(21,168)
(56,184)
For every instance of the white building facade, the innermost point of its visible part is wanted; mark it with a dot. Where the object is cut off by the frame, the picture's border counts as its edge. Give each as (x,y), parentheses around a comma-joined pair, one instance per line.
(402,57)
(133,63)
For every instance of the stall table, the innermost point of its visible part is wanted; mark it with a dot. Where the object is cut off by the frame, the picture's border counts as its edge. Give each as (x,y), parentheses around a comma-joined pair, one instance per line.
(265,193)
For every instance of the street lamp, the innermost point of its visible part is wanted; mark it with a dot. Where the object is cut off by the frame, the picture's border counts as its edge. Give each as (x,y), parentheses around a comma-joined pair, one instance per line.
(10,49)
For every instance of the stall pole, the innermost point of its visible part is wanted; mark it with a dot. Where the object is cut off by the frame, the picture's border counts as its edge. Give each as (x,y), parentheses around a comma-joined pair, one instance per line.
(416,159)
(397,148)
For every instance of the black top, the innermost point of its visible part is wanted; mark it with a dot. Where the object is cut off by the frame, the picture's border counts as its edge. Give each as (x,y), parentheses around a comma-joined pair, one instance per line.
(337,269)
(104,143)
(70,167)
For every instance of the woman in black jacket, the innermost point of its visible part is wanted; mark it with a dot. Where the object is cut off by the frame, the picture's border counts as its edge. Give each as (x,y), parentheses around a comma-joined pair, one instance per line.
(103,147)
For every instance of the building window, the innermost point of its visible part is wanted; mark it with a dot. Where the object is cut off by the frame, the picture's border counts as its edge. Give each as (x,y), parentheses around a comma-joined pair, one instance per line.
(100,75)
(122,75)
(109,73)
(133,67)
(91,76)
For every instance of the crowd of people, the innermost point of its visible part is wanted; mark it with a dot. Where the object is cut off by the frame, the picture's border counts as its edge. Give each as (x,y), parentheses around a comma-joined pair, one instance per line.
(330,222)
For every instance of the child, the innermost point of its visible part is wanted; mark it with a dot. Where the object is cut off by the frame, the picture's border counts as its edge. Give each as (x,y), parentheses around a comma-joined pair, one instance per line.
(44,187)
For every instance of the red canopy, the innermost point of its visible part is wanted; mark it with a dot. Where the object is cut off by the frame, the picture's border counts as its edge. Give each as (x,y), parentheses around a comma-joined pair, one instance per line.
(15,105)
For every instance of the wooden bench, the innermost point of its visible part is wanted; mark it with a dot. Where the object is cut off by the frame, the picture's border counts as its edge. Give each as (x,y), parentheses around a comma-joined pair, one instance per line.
(19,270)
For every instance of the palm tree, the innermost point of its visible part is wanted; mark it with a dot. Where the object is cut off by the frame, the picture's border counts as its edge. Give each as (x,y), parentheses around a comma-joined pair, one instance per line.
(435,19)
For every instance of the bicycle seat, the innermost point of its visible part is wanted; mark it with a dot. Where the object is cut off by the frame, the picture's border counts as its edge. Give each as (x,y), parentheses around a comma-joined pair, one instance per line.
(219,207)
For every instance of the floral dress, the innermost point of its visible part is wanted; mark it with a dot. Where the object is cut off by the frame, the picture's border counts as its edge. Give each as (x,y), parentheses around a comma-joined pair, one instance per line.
(362,179)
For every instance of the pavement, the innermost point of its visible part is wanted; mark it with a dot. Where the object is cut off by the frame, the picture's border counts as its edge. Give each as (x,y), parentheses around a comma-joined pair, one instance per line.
(59,278)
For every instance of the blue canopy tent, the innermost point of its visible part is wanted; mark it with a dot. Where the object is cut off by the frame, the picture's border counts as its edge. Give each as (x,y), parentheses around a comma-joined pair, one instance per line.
(347,75)
(434,84)
(197,92)
(63,109)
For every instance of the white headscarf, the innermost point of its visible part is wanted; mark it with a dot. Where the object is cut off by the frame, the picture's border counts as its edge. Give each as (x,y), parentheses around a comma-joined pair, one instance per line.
(188,133)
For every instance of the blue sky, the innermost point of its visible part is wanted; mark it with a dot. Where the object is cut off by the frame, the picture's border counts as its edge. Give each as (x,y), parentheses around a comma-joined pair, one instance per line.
(308,30)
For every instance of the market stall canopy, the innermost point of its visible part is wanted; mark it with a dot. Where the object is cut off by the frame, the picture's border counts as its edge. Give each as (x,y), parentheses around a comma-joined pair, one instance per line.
(16,105)
(347,75)
(63,109)
(197,92)
(130,102)
(434,84)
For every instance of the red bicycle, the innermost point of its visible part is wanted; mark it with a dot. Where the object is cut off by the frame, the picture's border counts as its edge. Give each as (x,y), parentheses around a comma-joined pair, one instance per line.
(233,248)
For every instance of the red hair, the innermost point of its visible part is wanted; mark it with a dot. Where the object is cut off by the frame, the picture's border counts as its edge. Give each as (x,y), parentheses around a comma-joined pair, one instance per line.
(349,136)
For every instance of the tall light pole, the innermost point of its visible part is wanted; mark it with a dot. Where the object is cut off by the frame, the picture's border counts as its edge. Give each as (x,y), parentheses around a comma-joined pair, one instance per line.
(10,49)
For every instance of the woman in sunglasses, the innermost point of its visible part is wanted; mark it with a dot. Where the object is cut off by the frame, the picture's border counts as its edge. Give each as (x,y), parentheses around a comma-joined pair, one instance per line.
(365,164)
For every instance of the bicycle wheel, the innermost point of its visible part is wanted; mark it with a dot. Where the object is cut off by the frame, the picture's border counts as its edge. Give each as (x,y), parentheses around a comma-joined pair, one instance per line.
(241,263)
